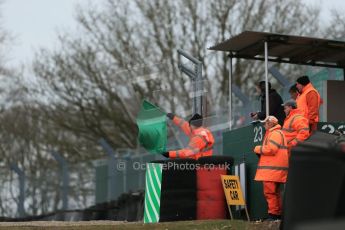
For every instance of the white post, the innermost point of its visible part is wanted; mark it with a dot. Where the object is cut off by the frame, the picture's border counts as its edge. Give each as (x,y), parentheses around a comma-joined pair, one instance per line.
(230,93)
(266,80)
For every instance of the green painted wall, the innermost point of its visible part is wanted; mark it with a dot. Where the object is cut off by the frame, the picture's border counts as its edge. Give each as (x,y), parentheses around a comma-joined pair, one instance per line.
(239,143)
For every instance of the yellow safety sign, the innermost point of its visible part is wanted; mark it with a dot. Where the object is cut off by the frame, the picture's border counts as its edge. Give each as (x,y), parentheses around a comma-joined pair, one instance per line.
(233,192)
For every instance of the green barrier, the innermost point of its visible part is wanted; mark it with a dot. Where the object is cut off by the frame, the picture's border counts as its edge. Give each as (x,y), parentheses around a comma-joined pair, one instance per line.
(152,126)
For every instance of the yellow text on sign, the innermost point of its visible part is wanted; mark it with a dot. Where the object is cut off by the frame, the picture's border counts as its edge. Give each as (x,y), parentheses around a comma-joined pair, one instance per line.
(232,190)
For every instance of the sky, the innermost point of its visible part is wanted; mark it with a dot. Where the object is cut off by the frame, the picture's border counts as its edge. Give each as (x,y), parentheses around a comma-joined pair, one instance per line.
(34,23)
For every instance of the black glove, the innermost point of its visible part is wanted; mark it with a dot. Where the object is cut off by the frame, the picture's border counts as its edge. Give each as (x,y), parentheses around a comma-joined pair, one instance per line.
(170,116)
(166,154)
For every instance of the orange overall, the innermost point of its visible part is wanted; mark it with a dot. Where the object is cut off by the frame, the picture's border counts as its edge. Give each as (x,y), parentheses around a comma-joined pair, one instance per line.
(308,102)
(295,128)
(200,143)
(272,167)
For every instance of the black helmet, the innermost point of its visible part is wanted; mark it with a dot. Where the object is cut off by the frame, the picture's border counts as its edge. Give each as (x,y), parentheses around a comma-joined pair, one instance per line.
(196,120)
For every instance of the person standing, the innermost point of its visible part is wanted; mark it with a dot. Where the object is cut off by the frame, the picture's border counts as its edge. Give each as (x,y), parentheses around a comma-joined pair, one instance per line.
(308,102)
(293,91)
(273,166)
(201,139)
(275,104)
(296,127)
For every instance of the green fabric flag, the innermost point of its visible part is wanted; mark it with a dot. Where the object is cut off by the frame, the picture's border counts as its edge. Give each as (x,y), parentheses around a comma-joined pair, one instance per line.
(152,126)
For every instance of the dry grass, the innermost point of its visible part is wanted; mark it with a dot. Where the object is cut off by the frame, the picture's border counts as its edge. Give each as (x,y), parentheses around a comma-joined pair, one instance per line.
(180,225)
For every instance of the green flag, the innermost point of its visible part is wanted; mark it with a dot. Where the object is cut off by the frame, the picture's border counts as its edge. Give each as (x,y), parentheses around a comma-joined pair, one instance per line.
(152,126)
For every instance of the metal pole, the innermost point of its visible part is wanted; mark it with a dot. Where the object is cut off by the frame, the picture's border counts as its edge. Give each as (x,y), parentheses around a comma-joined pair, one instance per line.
(245,208)
(183,53)
(125,171)
(266,80)
(124,178)
(230,92)
(65,178)
(195,102)
(21,175)
(65,186)
(199,90)
(229,208)
(196,76)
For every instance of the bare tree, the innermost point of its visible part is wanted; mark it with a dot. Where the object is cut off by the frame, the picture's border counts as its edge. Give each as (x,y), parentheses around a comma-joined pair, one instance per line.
(86,78)
(335,29)
(27,140)
(92,86)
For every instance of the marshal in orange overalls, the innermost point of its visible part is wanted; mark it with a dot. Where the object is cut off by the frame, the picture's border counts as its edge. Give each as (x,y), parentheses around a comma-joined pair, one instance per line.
(295,128)
(308,102)
(200,143)
(272,168)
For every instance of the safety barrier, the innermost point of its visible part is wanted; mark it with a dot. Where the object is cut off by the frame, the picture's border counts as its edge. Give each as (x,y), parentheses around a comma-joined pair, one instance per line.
(190,189)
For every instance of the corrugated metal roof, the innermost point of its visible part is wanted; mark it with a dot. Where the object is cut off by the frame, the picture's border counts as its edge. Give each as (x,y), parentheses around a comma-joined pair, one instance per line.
(285,49)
